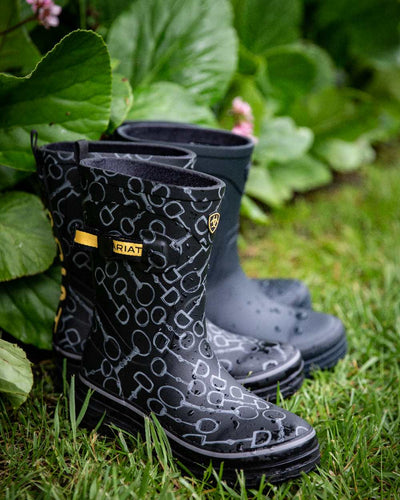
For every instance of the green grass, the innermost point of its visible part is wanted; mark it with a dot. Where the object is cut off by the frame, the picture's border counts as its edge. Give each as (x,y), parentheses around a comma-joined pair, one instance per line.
(345,243)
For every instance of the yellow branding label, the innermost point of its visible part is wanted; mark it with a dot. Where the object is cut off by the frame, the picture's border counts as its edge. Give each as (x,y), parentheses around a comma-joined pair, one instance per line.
(213,221)
(124,248)
(60,250)
(87,239)
(57,319)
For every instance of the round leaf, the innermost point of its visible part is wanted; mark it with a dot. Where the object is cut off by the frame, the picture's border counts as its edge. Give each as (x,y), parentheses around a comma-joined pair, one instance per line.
(28,306)
(262,24)
(345,156)
(302,174)
(121,103)
(26,243)
(16,378)
(169,101)
(66,97)
(189,42)
(261,186)
(280,140)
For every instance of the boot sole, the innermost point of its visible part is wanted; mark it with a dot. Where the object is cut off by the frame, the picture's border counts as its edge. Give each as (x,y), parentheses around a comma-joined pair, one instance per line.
(72,363)
(327,359)
(287,386)
(278,463)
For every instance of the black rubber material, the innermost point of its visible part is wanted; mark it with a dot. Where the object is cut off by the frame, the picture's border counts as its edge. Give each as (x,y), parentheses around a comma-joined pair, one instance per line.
(147,351)
(235,302)
(112,412)
(289,385)
(58,172)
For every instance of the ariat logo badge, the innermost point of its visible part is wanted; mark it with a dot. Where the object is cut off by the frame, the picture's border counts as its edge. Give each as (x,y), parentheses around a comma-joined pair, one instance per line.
(213,221)
(131,249)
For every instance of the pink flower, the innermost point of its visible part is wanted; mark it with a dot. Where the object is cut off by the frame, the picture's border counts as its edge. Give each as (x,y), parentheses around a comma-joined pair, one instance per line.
(245,129)
(242,109)
(46,12)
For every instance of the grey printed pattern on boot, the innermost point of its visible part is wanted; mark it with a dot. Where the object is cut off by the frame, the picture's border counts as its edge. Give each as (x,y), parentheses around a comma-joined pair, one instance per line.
(149,352)
(258,366)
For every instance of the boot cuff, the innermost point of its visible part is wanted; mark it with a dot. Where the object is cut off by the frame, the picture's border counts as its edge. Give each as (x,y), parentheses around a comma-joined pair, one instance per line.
(150,178)
(65,151)
(205,142)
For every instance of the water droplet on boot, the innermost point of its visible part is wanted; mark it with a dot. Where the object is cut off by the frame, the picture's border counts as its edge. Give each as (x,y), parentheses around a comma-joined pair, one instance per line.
(298,331)
(302,315)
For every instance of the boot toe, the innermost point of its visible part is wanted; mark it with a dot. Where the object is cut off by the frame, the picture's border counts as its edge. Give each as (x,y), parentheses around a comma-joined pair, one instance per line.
(321,339)
(290,292)
(259,366)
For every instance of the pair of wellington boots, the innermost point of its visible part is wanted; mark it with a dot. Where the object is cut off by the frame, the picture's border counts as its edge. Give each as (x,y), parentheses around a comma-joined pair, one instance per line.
(258,365)
(143,249)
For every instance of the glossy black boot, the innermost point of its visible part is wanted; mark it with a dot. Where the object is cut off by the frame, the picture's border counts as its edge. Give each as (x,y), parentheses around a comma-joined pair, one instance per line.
(151,228)
(62,195)
(257,365)
(235,302)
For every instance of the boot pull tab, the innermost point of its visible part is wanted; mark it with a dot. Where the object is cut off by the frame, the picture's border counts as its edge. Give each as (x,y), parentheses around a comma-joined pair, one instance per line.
(34,139)
(81,150)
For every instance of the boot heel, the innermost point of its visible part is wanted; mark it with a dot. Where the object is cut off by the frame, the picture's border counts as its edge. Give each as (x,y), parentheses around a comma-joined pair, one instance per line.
(71,368)
(102,413)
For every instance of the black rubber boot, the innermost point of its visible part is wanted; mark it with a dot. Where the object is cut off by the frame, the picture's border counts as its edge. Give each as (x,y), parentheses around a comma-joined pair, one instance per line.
(148,351)
(235,302)
(259,366)
(62,196)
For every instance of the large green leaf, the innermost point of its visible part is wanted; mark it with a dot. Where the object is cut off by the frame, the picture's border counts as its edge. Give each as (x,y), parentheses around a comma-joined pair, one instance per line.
(261,186)
(301,174)
(102,13)
(17,52)
(250,209)
(189,42)
(28,305)
(280,140)
(169,101)
(67,97)
(294,70)
(122,99)
(9,177)
(289,72)
(16,378)
(345,156)
(342,113)
(368,30)
(26,243)
(262,24)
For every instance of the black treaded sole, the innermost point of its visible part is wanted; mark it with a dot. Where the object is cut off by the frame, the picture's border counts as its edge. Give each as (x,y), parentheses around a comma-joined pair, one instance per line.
(72,364)
(327,359)
(278,464)
(287,387)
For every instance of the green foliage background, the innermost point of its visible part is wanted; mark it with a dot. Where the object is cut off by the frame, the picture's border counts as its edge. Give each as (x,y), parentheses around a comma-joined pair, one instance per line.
(323,79)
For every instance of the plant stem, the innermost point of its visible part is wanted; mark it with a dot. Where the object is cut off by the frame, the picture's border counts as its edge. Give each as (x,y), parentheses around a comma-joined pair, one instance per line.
(18,25)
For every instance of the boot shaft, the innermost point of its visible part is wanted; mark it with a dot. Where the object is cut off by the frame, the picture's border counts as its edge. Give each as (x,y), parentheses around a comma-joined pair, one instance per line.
(154,235)
(62,194)
(151,230)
